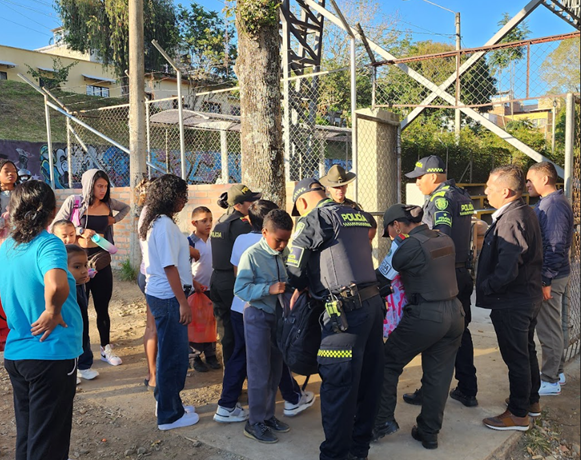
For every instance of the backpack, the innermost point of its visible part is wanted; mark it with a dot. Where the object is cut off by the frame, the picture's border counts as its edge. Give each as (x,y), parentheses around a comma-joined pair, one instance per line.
(299,334)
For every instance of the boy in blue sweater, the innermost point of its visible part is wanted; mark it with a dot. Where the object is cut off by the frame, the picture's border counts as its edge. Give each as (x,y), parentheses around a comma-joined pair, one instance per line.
(261,278)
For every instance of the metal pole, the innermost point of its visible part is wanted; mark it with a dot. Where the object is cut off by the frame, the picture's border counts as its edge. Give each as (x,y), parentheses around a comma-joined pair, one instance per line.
(286,114)
(49,141)
(69,153)
(353,113)
(148,139)
(457,118)
(181,122)
(224,156)
(569,138)
(554,119)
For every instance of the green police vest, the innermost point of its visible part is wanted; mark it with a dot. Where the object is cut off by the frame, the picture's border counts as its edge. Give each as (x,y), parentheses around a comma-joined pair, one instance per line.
(437,280)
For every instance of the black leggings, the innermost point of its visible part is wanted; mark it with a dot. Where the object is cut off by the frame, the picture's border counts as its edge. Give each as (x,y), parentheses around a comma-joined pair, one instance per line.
(101,286)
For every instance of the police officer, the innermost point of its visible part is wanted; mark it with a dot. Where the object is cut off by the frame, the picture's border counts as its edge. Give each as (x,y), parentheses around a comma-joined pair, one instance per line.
(449,209)
(331,256)
(432,321)
(232,224)
(336,181)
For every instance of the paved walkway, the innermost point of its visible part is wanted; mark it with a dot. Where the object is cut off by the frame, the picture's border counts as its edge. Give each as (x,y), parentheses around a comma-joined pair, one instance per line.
(462,437)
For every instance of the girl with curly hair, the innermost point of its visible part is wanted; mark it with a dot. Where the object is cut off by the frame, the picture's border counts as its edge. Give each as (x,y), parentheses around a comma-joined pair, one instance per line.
(168,282)
(39,297)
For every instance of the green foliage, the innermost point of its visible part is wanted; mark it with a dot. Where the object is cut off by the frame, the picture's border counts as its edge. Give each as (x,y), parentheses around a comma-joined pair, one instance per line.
(103,27)
(206,37)
(560,69)
(253,15)
(51,80)
(127,272)
(502,59)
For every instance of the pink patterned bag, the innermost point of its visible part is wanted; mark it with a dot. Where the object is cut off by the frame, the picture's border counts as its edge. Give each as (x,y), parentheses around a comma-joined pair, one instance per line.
(395,303)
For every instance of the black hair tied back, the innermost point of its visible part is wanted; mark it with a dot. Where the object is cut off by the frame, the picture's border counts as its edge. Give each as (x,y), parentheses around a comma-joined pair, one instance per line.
(414,213)
(223,200)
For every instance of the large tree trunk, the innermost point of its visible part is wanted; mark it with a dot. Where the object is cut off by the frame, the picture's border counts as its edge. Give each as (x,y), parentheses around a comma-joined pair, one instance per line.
(258,71)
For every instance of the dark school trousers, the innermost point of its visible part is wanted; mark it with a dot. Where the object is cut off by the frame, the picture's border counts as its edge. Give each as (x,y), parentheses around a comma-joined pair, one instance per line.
(433,329)
(86,359)
(43,406)
(222,294)
(263,363)
(465,370)
(351,369)
(515,331)
(235,371)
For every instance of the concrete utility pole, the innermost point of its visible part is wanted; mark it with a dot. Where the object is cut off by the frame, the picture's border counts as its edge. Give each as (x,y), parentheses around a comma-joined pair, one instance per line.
(137,164)
(457,119)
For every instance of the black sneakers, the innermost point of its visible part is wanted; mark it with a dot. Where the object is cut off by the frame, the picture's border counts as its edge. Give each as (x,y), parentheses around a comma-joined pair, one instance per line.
(468,401)
(212,362)
(199,365)
(277,426)
(414,398)
(260,432)
(383,430)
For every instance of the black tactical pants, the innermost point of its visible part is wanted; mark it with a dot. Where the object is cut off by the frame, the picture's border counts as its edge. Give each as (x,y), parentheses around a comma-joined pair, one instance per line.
(222,294)
(350,365)
(465,370)
(433,329)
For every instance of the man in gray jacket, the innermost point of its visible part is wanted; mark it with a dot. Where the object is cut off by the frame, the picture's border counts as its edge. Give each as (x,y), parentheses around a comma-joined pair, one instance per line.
(556,220)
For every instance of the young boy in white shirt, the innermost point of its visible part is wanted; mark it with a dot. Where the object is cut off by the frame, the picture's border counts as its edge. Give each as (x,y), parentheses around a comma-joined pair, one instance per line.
(202,272)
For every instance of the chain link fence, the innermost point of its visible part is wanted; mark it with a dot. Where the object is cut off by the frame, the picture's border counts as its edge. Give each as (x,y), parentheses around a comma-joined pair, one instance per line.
(572,305)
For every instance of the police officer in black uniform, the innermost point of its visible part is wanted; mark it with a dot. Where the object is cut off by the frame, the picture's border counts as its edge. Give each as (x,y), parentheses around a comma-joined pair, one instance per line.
(449,209)
(331,256)
(232,224)
(432,321)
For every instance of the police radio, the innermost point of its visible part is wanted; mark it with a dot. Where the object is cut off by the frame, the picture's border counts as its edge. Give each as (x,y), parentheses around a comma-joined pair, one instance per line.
(334,307)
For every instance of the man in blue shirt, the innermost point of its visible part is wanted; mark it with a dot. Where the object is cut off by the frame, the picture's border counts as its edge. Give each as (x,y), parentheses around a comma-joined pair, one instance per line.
(556,220)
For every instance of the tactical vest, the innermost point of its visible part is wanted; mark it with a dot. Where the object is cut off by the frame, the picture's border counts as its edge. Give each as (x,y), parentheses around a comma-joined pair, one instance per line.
(228,228)
(347,258)
(437,280)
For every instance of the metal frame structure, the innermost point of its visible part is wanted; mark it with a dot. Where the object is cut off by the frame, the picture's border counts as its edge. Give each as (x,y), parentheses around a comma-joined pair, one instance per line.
(566,9)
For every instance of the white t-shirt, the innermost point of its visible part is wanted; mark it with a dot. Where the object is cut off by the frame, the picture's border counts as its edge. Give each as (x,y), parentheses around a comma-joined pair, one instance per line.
(242,243)
(202,268)
(165,246)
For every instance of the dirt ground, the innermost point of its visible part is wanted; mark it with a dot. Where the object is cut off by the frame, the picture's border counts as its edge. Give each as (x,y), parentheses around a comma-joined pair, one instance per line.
(114,414)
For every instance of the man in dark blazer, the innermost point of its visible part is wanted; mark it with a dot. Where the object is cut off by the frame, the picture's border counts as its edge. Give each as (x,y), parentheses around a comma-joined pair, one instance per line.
(509,283)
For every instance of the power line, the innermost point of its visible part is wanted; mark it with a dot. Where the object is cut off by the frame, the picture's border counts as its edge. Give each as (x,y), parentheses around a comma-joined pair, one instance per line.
(22,14)
(44,13)
(21,25)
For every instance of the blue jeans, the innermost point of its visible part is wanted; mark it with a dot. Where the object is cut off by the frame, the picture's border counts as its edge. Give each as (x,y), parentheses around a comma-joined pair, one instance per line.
(172,358)
(235,371)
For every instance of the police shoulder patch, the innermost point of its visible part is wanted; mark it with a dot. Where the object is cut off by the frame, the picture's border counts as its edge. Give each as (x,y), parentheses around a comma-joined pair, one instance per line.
(295,255)
(442,218)
(299,228)
(442,203)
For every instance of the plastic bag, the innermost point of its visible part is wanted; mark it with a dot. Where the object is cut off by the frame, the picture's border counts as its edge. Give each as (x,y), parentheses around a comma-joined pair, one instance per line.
(202,329)
(3,328)
(395,303)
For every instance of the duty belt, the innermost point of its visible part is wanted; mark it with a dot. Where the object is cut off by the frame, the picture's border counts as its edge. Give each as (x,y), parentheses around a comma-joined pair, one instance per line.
(355,302)
(416,299)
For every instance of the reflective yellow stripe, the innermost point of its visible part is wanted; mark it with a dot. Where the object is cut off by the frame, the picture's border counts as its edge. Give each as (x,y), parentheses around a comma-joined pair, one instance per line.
(335,354)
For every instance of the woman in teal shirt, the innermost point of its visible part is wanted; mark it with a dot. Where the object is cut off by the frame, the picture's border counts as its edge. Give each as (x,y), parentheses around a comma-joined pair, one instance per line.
(39,298)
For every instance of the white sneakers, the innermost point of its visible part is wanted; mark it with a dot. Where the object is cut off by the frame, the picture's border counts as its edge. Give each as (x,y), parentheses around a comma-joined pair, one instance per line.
(188,419)
(188,409)
(562,379)
(549,389)
(87,374)
(225,415)
(108,356)
(306,401)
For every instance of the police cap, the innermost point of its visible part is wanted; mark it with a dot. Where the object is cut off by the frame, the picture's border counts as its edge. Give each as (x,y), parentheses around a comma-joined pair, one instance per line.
(239,193)
(304,186)
(427,165)
(401,211)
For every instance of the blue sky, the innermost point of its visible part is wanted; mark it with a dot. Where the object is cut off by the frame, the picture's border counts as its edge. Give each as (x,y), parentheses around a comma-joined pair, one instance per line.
(27,23)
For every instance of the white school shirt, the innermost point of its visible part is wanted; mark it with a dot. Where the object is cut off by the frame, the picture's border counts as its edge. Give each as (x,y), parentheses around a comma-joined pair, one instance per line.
(202,268)
(242,243)
(165,246)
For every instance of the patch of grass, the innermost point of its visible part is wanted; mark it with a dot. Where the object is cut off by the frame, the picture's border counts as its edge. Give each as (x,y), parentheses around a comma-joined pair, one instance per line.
(127,272)
(22,111)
